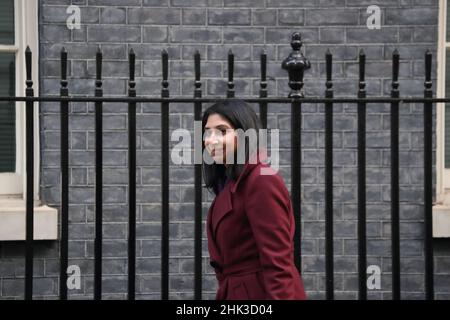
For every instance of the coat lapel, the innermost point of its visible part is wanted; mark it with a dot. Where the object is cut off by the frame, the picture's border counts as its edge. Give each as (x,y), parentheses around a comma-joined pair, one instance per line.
(220,207)
(214,252)
(253,162)
(223,205)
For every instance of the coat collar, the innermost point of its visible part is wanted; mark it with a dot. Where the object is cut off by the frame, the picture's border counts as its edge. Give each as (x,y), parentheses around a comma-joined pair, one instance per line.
(251,164)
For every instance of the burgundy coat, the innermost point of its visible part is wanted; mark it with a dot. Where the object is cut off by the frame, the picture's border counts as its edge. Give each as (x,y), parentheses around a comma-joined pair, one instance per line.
(250,229)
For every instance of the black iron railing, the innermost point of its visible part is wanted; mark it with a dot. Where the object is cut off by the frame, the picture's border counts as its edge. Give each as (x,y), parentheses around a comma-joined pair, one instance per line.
(295,64)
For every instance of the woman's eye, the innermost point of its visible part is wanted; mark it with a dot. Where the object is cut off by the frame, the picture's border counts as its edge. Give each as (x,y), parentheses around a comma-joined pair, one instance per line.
(210,132)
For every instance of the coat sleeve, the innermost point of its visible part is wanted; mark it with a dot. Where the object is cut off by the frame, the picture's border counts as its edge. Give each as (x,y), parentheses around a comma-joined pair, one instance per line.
(268,210)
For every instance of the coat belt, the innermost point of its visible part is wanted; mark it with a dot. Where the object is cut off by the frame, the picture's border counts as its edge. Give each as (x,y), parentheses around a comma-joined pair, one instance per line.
(237,269)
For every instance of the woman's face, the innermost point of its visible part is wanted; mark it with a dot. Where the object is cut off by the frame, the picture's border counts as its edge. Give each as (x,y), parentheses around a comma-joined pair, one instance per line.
(219,142)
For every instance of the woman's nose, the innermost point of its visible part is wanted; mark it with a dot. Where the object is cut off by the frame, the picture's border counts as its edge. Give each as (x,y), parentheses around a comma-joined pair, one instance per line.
(210,140)
(211,137)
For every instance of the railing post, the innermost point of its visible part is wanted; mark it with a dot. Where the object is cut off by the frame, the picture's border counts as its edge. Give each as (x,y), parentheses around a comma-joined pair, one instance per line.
(428,178)
(263,90)
(198,187)
(295,64)
(395,208)
(230,90)
(132,180)
(362,262)
(329,252)
(165,179)
(29,92)
(64,119)
(98,180)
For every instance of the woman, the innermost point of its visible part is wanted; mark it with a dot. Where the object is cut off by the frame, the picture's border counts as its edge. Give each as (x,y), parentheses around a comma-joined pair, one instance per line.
(250,224)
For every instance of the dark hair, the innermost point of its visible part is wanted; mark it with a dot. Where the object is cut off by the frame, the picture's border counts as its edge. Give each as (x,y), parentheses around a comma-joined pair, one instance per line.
(241,116)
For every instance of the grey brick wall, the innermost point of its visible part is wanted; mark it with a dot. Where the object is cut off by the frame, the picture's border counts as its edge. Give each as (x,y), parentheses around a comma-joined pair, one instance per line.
(213,27)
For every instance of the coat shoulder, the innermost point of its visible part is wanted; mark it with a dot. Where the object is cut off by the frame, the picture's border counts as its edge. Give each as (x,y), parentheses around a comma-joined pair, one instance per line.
(264,176)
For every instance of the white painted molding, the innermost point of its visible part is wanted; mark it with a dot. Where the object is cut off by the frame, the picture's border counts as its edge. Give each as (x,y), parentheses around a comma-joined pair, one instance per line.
(12,226)
(441,221)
